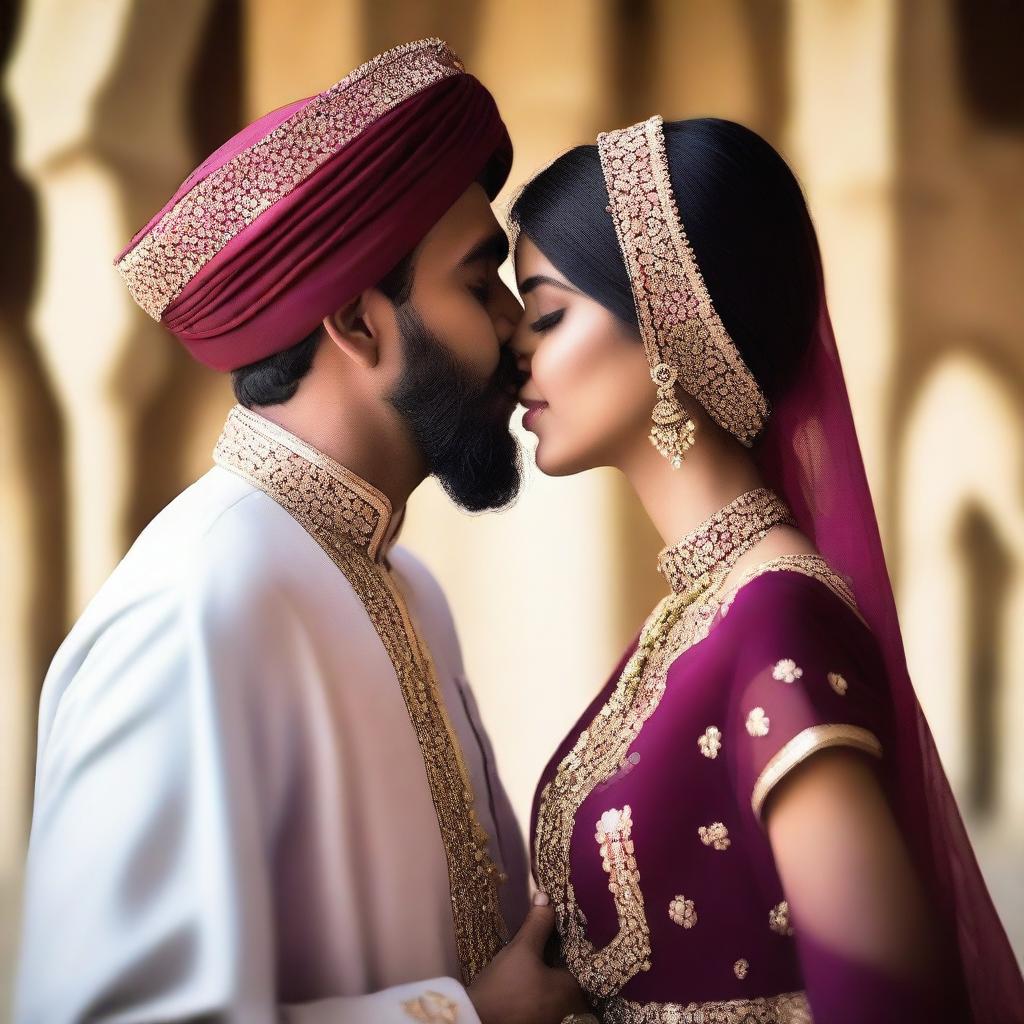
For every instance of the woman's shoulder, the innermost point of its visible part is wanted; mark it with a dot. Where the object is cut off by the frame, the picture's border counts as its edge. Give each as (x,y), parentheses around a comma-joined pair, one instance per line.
(790,589)
(798,604)
(805,672)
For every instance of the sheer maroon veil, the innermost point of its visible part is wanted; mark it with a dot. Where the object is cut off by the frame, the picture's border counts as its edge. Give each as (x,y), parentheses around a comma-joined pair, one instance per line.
(809,454)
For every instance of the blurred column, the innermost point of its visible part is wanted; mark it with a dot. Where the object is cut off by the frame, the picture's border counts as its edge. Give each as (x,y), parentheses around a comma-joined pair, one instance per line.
(94,91)
(839,138)
(720,58)
(959,419)
(31,539)
(98,92)
(291,51)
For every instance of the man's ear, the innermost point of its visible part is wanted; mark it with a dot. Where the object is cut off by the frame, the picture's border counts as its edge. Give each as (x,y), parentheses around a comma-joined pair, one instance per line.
(352,330)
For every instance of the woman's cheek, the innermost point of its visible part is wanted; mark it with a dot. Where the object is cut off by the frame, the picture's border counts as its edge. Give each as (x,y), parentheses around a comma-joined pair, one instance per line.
(565,364)
(577,375)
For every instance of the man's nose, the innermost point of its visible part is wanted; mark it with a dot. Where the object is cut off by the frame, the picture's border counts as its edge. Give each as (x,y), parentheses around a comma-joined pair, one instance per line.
(508,316)
(521,346)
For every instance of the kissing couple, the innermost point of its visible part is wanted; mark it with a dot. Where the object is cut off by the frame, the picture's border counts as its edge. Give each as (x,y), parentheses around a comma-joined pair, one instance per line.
(263,791)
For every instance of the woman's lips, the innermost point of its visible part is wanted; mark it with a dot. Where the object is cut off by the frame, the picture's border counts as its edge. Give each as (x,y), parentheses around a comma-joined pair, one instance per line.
(533,410)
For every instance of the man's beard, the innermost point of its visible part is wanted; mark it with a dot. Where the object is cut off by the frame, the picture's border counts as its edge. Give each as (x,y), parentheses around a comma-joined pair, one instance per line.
(459,424)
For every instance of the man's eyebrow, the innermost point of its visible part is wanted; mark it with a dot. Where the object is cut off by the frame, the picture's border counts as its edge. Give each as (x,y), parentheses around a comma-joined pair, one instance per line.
(494,247)
(538,279)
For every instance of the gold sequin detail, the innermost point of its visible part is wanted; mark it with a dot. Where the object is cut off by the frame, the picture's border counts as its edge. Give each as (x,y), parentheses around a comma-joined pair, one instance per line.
(801,746)
(614,830)
(787,1008)
(348,518)
(678,322)
(811,565)
(229,199)
(778,919)
(710,741)
(597,754)
(722,539)
(758,722)
(740,968)
(786,670)
(432,1008)
(838,683)
(716,835)
(327,499)
(682,912)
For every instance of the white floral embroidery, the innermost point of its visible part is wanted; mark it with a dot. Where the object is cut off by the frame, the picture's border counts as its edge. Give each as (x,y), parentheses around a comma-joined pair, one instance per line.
(710,741)
(682,912)
(837,682)
(778,919)
(615,821)
(716,835)
(758,722)
(787,671)
(740,968)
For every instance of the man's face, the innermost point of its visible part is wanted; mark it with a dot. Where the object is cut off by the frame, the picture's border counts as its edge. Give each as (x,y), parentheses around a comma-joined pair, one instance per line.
(457,390)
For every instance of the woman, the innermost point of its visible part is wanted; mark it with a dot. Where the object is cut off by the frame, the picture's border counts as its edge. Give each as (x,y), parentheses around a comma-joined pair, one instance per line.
(750,822)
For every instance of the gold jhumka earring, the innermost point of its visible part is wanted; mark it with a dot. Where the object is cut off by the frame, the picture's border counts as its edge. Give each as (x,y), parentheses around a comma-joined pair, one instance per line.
(684,337)
(672,431)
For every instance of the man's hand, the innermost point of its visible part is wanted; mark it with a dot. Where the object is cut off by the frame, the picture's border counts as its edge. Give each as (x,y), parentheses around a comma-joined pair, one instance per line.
(517,987)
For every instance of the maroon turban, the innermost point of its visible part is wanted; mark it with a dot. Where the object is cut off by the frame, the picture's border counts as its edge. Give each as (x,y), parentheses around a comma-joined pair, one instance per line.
(314,203)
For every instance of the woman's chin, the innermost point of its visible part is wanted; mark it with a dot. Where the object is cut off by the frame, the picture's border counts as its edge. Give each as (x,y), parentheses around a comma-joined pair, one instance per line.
(552,463)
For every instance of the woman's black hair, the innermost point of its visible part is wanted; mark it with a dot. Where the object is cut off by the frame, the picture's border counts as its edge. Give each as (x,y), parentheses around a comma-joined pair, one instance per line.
(747,222)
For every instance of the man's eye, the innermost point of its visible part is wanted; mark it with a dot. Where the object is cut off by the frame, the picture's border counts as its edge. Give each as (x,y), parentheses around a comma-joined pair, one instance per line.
(547,321)
(482,292)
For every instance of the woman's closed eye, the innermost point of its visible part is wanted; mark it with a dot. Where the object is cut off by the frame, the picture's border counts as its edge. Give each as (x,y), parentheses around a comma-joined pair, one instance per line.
(547,321)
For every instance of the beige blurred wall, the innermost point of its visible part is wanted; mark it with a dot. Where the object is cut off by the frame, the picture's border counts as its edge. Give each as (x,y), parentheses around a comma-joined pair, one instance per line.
(904,122)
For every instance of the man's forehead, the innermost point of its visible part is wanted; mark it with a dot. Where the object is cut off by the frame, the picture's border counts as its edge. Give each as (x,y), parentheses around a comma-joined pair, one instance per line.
(468,221)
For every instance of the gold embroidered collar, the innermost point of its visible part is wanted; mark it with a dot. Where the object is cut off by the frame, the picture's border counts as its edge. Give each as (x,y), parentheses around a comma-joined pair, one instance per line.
(352,522)
(715,546)
(322,495)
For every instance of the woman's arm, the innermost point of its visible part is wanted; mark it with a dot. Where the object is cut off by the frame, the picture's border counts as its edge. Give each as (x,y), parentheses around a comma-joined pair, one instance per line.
(854,894)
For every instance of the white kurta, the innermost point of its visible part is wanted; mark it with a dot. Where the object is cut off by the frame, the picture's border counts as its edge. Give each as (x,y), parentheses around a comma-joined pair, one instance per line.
(232,818)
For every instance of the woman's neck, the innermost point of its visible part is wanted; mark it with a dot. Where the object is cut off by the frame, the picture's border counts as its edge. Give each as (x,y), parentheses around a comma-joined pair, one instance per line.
(714,472)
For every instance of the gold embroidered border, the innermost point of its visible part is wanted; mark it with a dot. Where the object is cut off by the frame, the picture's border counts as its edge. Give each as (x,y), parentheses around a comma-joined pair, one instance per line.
(598,753)
(480,929)
(629,951)
(807,564)
(312,487)
(787,1008)
(678,321)
(678,623)
(228,200)
(801,746)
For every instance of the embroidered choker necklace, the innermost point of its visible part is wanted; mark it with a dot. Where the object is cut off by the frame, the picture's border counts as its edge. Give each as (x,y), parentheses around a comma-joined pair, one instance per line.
(715,546)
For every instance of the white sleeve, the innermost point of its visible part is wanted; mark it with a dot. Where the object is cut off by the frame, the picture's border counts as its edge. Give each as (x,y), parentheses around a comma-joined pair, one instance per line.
(160,782)
(440,1001)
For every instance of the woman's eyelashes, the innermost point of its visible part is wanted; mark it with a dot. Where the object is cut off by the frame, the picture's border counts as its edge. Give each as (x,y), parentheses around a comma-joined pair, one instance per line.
(547,321)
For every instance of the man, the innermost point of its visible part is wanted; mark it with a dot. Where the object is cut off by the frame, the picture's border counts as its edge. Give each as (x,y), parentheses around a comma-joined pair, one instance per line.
(262,789)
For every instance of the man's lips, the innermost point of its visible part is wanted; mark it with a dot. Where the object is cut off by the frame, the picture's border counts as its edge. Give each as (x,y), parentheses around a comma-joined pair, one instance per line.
(533,410)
